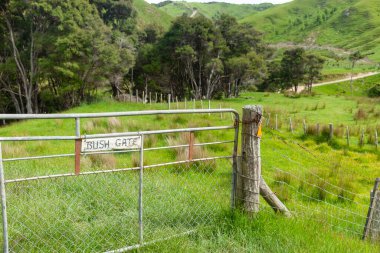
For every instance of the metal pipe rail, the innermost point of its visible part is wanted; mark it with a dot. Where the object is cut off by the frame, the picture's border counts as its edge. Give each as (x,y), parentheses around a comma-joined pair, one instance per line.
(113,114)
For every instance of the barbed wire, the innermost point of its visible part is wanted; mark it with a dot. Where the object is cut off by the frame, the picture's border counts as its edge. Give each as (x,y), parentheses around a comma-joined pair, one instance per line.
(312,173)
(314,185)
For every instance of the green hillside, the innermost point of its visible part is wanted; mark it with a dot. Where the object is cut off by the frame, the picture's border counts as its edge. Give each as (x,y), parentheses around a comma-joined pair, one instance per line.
(348,24)
(211,9)
(149,14)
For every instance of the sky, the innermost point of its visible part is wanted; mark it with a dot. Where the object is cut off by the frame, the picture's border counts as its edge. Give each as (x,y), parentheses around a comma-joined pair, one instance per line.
(231,1)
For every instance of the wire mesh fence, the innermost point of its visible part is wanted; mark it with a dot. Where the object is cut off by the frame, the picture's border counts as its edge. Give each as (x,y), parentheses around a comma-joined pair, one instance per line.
(117,200)
(100,212)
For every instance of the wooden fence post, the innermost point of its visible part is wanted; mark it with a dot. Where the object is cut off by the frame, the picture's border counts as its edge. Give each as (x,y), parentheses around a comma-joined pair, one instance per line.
(361,141)
(209,106)
(317,129)
(251,160)
(150,97)
(156,100)
(191,146)
(304,127)
(185,103)
(137,96)
(169,100)
(202,104)
(176,100)
(143,97)
(276,127)
(348,136)
(250,184)
(161,98)
(331,131)
(376,139)
(372,225)
(290,125)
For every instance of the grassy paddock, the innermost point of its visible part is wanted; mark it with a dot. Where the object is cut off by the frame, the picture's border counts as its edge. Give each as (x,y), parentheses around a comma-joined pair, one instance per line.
(88,207)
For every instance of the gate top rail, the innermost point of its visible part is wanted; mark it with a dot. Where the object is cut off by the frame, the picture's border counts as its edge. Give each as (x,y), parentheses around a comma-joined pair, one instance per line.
(78,116)
(113,114)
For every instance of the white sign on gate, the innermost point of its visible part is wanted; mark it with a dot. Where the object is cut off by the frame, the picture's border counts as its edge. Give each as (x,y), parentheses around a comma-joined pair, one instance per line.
(114,143)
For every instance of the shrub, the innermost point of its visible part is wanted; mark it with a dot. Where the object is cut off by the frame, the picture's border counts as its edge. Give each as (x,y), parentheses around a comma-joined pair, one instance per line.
(360,114)
(374,91)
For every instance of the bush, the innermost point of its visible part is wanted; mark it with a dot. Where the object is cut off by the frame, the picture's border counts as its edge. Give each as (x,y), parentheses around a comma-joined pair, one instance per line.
(374,91)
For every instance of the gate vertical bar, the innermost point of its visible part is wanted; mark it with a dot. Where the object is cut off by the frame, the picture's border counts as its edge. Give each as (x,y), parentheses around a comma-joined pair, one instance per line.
(3,204)
(141,227)
(234,161)
(78,146)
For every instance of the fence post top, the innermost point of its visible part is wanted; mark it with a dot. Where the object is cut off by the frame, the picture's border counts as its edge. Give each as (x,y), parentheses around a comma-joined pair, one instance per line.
(256,108)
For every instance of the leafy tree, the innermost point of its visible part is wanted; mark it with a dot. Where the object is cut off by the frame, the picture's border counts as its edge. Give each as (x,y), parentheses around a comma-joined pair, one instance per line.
(313,70)
(293,68)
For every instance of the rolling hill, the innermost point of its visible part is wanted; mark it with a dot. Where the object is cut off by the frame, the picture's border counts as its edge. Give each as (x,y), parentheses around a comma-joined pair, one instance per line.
(347,24)
(211,9)
(149,14)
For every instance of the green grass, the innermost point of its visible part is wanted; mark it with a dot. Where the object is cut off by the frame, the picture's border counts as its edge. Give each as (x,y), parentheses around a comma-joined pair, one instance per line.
(360,87)
(148,14)
(210,10)
(352,25)
(84,212)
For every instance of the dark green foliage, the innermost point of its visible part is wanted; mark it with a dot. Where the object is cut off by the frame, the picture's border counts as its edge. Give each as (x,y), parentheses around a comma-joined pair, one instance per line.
(374,91)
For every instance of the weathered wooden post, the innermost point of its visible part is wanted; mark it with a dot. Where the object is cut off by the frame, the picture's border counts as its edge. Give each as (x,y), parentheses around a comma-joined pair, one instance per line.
(250,174)
(268,120)
(348,136)
(361,141)
(191,146)
(221,114)
(194,107)
(143,97)
(376,139)
(209,106)
(161,98)
(331,131)
(318,129)
(304,127)
(156,98)
(176,100)
(250,184)
(150,98)
(169,100)
(276,126)
(137,96)
(290,125)
(372,225)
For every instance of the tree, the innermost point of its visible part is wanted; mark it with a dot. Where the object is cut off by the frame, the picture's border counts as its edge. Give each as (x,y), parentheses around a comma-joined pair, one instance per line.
(313,70)
(293,68)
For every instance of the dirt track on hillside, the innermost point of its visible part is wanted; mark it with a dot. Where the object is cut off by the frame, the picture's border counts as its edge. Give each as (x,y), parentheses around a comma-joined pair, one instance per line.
(359,76)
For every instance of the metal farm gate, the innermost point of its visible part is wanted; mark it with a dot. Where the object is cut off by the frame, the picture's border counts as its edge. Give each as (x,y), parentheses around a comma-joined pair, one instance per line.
(113,188)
